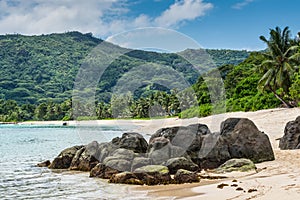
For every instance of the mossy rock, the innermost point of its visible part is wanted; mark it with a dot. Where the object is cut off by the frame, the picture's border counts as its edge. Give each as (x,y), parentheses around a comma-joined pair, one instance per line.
(150,169)
(242,165)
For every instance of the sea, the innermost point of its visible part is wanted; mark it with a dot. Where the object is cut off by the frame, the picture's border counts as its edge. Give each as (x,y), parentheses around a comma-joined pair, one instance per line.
(23,146)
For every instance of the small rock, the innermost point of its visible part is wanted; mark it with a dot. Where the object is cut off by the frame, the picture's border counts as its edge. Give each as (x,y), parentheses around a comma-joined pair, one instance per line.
(44,164)
(239,189)
(102,171)
(185,176)
(222,185)
(126,178)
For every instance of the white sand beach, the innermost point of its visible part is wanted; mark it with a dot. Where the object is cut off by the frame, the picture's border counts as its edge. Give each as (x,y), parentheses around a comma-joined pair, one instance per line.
(279,179)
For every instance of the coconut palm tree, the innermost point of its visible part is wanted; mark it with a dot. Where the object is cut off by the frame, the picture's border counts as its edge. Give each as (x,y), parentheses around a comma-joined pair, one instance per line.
(279,64)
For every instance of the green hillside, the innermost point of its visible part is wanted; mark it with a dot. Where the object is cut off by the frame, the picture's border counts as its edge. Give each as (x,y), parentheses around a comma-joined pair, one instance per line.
(37,69)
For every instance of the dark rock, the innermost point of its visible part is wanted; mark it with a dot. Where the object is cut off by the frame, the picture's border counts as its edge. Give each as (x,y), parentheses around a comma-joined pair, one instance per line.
(185,176)
(186,137)
(213,156)
(157,173)
(159,150)
(86,158)
(118,164)
(186,141)
(140,162)
(102,171)
(291,138)
(242,165)
(44,164)
(126,178)
(64,159)
(120,159)
(124,154)
(239,138)
(246,141)
(131,141)
(174,164)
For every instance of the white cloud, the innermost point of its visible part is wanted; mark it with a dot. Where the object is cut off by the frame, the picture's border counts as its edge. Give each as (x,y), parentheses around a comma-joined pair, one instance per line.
(242,4)
(101,17)
(183,10)
(42,16)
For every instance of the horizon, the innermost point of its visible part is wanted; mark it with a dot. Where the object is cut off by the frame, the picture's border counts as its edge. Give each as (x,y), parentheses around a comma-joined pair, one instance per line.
(233,24)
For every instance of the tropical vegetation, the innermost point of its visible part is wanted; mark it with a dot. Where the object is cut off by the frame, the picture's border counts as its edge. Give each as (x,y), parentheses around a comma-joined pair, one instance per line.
(38,74)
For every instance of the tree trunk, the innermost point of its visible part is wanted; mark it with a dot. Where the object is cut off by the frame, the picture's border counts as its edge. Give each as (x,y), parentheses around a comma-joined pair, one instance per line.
(287,104)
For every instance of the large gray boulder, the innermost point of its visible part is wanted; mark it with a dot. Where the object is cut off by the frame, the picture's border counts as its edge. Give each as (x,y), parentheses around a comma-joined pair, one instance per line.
(159,150)
(86,158)
(291,138)
(64,159)
(239,138)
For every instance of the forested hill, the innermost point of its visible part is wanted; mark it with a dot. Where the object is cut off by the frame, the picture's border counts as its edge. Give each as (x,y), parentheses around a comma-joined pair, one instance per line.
(36,69)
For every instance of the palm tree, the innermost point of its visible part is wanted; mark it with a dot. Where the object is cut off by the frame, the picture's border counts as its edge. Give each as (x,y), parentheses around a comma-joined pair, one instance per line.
(279,64)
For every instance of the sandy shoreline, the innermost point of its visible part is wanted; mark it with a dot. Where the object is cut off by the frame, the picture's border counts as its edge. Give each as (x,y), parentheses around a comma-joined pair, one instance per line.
(279,179)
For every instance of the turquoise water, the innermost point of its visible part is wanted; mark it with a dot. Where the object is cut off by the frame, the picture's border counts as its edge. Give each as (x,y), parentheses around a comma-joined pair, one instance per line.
(22,147)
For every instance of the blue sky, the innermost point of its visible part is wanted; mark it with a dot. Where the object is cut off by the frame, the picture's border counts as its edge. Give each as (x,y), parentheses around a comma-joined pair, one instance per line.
(229,24)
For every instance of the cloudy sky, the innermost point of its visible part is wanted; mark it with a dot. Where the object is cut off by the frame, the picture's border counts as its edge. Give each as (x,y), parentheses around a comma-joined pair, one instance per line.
(234,24)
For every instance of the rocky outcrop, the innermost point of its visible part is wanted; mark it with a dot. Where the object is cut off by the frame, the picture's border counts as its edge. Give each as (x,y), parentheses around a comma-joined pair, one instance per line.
(291,138)
(242,165)
(182,151)
(64,159)
(238,138)
(185,176)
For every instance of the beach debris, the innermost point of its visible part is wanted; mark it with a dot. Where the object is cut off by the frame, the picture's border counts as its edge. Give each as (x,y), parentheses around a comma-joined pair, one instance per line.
(239,189)
(222,185)
(252,190)
(234,181)
(212,177)
(234,185)
(291,140)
